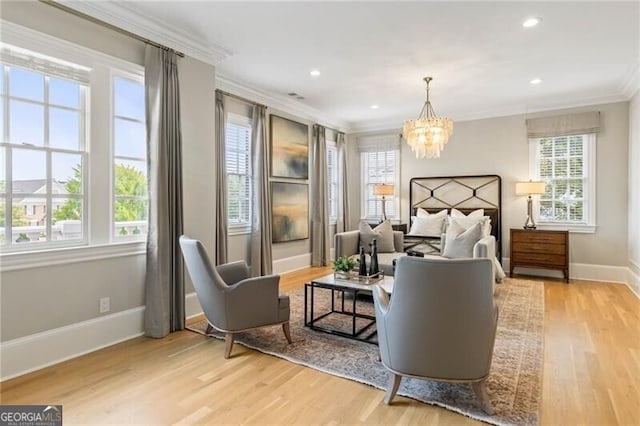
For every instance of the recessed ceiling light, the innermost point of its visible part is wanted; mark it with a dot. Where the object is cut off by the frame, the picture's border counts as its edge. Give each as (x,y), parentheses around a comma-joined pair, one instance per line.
(374,106)
(531,22)
(314,73)
(536,81)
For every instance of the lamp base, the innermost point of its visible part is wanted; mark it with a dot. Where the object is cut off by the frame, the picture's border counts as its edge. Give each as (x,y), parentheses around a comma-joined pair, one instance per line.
(530,224)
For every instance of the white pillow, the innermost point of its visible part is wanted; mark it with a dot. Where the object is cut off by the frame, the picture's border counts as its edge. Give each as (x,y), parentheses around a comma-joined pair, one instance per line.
(431,226)
(459,241)
(466,222)
(383,234)
(424,213)
(476,213)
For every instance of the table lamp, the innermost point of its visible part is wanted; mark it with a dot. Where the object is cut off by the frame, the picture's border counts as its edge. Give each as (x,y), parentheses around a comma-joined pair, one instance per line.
(383,189)
(530,188)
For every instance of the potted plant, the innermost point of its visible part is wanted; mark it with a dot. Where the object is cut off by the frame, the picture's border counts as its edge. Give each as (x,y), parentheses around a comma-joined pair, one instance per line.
(343,266)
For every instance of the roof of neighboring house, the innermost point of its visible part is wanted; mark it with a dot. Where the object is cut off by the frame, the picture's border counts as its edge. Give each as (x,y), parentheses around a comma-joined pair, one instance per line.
(35,186)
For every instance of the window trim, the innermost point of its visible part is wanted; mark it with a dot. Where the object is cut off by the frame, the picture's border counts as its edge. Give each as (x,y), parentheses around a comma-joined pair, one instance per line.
(396,183)
(241,121)
(589,226)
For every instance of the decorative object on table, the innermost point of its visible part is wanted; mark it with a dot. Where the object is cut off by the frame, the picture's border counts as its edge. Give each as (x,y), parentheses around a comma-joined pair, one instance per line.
(290,206)
(289,148)
(343,267)
(428,134)
(530,188)
(383,189)
(373,266)
(362,270)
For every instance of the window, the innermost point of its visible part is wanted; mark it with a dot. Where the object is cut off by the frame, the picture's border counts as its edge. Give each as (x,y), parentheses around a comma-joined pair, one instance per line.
(72,151)
(238,168)
(567,165)
(43,154)
(379,167)
(130,159)
(332,181)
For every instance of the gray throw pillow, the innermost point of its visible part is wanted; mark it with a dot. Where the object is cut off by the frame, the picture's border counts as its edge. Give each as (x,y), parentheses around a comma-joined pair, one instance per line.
(459,242)
(382,233)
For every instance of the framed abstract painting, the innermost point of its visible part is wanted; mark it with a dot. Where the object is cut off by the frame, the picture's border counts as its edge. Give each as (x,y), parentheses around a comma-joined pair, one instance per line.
(289,148)
(290,207)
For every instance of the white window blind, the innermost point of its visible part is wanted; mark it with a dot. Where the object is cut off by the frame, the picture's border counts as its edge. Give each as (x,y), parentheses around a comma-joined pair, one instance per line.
(332,181)
(378,167)
(238,167)
(565,164)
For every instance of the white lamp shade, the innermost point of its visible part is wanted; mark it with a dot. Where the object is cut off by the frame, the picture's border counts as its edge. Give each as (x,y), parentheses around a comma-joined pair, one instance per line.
(529,188)
(383,189)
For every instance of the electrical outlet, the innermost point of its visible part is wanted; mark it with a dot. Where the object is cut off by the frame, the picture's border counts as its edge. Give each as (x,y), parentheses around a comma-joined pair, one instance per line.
(104,305)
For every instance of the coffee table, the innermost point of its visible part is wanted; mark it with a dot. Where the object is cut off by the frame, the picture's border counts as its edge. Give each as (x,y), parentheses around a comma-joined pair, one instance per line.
(342,287)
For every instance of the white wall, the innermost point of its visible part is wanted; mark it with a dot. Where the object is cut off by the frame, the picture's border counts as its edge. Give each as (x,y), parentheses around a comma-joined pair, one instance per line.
(499,146)
(634,192)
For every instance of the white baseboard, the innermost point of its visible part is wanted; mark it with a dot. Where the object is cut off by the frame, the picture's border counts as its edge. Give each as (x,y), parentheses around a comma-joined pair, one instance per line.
(26,354)
(579,271)
(634,282)
(293,263)
(192,307)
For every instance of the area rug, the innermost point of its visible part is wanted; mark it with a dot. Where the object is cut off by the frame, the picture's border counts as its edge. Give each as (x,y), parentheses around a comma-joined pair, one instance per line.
(514,384)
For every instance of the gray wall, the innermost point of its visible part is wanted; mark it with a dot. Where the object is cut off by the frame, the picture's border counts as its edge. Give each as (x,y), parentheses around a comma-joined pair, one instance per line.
(499,146)
(634,185)
(43,298)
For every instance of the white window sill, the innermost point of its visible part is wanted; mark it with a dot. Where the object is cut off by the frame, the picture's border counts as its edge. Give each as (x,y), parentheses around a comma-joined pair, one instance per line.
(59,256)
(238,230)
(578,228)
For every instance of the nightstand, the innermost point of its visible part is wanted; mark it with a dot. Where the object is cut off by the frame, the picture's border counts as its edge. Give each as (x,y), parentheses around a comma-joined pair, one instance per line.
(540,249)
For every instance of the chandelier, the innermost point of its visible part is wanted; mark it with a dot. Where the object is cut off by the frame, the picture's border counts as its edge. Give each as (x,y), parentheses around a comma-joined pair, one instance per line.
(428,134)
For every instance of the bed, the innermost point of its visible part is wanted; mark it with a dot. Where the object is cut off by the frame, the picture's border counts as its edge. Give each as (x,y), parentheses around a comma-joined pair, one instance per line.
(464,193)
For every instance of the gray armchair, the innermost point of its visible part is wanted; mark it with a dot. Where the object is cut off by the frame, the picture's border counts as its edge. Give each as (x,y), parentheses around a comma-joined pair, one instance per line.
(440,323)
(231,301)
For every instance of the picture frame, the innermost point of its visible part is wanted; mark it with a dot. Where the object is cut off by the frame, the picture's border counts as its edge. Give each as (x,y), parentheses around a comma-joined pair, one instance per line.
(289,148)
(290,211)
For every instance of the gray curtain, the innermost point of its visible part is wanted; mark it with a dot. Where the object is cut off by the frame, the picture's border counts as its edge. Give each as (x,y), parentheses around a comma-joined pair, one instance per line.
(164,283)
(261,260)
(221,179)
(319,198)
(342,223)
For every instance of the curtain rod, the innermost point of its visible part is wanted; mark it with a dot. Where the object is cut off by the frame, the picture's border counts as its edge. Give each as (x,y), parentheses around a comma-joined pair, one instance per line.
(109,26)
(240,98)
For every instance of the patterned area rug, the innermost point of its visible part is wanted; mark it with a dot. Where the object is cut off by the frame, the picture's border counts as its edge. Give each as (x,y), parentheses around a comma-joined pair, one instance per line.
(514,384)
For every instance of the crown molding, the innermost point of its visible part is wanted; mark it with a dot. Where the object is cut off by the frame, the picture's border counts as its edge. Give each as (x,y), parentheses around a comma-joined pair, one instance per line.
(280,102)
(125,16)
(395,124)
(631,82)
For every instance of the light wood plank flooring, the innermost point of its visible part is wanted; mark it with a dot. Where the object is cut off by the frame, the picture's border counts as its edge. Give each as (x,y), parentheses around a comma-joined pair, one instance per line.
(591,375)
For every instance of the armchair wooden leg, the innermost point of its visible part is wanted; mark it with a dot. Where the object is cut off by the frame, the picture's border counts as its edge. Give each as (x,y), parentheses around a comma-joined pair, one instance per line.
(209,329)
(481,393)
(228,344)
(392,387)
(287,332)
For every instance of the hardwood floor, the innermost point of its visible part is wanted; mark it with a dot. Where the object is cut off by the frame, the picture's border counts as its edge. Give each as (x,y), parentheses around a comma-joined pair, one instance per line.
(591,375)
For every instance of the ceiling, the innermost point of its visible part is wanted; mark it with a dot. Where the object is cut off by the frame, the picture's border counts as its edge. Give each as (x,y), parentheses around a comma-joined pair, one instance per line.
(480,56)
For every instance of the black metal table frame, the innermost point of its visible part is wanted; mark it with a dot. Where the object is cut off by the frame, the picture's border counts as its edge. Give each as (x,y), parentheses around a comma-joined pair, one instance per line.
(310,320)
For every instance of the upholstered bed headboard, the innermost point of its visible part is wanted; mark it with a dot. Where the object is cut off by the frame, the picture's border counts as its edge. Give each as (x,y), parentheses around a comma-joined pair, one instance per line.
(465,193)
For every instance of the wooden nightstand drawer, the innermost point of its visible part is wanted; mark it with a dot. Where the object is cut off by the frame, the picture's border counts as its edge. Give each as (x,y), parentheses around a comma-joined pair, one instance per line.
(524,247)
(539,237)
(540,249)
